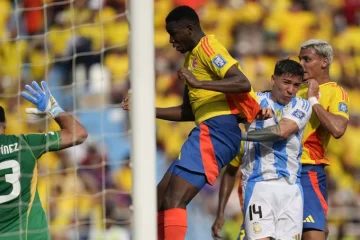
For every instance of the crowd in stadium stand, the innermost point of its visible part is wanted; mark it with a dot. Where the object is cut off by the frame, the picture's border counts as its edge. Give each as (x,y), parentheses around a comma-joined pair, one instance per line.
(81,48)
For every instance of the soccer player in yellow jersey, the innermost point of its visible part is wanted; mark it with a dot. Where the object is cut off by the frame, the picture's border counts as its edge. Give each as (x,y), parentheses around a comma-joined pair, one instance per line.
(215,92)
(329,118)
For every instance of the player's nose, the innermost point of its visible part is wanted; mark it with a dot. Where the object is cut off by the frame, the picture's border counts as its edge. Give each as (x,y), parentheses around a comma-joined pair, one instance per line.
(302,63)
(292,90)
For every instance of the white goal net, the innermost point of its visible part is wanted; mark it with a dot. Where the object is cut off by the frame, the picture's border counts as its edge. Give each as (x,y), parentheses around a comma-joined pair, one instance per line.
(80,48)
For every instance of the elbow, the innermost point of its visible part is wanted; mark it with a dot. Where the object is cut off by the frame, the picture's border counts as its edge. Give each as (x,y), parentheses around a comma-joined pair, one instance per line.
(244,86)
(339,130)
(286,134)
(338,133)
(248,87)
(81,136)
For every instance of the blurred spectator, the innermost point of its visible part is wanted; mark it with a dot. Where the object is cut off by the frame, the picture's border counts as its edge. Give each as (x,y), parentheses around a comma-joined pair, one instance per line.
(33,16)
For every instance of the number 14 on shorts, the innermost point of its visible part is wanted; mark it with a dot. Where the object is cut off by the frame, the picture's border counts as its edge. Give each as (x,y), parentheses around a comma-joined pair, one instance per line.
(253,210)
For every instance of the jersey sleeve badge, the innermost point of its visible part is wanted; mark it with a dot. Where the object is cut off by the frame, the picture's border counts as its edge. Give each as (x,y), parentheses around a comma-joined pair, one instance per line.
(343,107)
(298,114)
(219,61)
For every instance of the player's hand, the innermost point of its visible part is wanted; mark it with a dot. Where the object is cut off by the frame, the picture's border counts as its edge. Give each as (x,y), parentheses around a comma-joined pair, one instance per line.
(42,98)
(313,90)
(125,104)
(186,75)
(216,227)
(265,113)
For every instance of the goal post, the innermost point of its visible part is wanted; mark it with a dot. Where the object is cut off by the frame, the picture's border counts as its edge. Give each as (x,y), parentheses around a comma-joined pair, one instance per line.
(142,77)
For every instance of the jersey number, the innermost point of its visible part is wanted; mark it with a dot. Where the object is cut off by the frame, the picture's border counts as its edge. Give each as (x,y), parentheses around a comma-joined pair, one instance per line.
(252,210)
(12,178)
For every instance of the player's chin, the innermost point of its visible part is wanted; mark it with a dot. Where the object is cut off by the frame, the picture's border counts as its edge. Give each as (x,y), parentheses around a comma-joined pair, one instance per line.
(285,100)
(306,77)
(181,50)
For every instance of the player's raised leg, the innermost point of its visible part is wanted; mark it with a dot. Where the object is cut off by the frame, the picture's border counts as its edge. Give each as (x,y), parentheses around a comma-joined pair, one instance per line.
(161,189)
(178,195)
(202,156)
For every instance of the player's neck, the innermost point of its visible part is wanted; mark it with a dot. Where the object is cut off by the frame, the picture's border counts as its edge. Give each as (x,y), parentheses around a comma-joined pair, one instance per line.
(274,98)
(197,38)
(323,79)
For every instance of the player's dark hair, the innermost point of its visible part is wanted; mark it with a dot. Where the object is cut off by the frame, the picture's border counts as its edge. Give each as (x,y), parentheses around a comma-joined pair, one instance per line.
(290,67)
(183,14)
(2,115)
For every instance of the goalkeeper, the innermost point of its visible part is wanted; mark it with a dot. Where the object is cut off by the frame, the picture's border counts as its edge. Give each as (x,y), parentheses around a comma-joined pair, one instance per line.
(21,213)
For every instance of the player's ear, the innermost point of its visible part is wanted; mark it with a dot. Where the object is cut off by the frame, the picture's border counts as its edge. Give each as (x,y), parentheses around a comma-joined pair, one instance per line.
(190,29)
(325,62)
(272,80)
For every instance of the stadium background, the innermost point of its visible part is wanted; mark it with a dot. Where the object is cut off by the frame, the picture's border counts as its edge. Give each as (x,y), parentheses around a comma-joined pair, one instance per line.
(80,48)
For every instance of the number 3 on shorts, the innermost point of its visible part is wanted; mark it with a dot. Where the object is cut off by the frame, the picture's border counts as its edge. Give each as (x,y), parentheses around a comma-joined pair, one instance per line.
(12,178)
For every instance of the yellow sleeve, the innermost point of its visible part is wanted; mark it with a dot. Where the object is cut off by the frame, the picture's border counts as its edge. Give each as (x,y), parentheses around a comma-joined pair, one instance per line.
(236,162)
(339,104)
(215,56)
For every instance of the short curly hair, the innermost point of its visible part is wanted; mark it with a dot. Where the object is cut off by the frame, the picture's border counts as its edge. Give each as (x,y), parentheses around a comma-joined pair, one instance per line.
(183,14)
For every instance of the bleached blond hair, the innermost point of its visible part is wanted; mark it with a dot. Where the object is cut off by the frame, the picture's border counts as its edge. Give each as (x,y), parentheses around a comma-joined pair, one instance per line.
(322,48)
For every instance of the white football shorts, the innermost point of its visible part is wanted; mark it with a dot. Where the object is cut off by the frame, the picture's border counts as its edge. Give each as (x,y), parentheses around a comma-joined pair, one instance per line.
(273,208)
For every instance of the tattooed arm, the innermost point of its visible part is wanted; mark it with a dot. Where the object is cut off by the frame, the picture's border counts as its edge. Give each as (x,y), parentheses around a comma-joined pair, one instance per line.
(284,129)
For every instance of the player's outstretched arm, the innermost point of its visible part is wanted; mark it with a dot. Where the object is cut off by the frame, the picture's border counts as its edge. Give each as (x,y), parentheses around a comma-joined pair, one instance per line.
(234,81)
(290,123)
(72,132)
(179,113)
(284,129)
(226,187)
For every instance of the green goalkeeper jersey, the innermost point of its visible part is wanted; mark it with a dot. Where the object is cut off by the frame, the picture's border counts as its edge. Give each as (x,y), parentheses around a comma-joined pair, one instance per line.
(21,213)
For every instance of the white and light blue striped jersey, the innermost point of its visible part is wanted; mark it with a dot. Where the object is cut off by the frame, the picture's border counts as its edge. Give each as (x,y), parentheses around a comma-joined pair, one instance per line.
(273,160)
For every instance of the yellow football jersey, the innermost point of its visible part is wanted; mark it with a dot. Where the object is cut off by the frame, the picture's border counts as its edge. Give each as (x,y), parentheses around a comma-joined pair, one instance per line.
(209,61)
(236,162)
(334,99)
